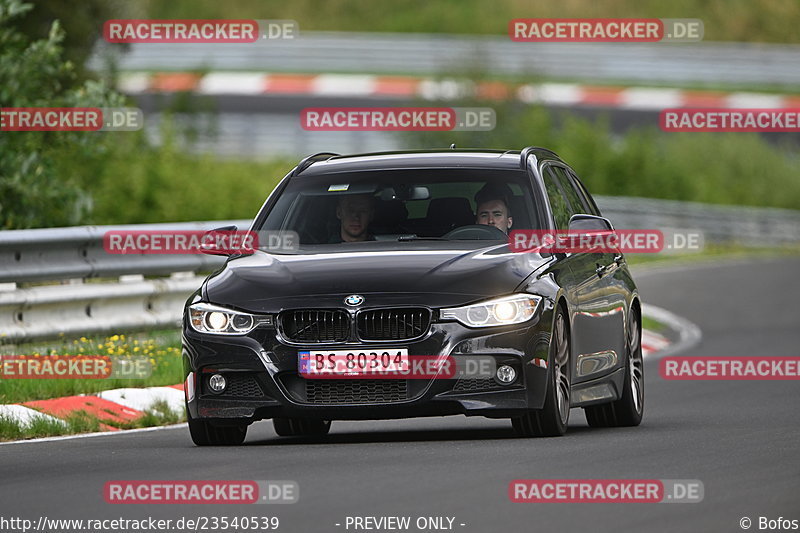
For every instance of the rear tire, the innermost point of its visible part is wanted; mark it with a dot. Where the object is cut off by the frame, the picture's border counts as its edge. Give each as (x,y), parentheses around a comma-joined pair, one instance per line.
(301,427)
(552,419)
(629,409)
(206,434)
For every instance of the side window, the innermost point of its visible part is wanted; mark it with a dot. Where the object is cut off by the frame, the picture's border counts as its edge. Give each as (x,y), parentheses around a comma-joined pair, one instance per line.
(558,202)
(577,205)
(584,194)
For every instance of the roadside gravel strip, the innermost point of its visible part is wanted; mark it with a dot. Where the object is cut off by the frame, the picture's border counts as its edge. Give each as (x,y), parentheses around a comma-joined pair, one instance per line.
(127,405)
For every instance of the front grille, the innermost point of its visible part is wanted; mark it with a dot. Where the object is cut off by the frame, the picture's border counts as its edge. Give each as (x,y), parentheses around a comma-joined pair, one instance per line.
(393,324)
(351,391)
(315,325)
(476,385)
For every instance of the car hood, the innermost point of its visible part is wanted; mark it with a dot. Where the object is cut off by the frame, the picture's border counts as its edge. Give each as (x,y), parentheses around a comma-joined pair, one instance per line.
(441,276)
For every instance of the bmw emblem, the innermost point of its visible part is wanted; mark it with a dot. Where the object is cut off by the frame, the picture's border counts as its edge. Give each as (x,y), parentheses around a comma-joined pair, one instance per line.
(354,300)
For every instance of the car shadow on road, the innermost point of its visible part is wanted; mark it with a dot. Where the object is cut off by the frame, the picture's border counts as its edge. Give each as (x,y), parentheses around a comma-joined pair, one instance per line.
(418,435)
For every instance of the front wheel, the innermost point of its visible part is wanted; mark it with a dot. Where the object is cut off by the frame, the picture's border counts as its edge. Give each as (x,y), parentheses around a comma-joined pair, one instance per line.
(204,433)
(629,409)
(552,419)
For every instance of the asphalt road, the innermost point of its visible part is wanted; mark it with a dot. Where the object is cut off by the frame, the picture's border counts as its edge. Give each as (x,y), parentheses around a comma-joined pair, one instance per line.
(740,438)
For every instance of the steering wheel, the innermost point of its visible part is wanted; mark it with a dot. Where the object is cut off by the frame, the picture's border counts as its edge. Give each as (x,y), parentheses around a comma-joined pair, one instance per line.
(476,232)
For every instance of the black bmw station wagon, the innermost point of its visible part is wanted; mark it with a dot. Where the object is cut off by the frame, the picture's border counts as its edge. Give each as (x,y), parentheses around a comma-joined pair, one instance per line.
(402,259)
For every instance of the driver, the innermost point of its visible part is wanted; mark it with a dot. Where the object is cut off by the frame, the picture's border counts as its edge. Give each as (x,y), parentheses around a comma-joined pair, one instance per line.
(493,209)
(355,211)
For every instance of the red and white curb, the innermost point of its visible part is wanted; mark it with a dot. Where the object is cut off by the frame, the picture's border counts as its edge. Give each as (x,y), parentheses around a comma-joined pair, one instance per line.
(24,416)
(143,399)
(688,333)
(114,406)
(367,85)
(653,342)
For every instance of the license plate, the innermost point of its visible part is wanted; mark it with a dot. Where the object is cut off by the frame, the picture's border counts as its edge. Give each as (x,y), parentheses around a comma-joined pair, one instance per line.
(353,362)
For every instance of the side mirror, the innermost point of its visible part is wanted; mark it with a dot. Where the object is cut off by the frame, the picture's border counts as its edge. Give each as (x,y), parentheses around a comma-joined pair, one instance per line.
(224,241)
(589,224)
(581,226)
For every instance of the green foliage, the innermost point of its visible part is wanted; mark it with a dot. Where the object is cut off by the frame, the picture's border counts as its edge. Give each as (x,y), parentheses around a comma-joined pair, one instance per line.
(82,23)
(35,189)
(721,168)
(725,20)
(135,183)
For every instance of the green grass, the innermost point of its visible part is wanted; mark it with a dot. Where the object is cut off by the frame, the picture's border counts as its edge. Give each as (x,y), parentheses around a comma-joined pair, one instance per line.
(652,324)
(82,422)
(161,347)
(159,414)
(725,20)
(10,429)
(164,354)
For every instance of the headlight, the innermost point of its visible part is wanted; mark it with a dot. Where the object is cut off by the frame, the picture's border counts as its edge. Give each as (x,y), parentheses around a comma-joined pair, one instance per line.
(513,309)
(207,318)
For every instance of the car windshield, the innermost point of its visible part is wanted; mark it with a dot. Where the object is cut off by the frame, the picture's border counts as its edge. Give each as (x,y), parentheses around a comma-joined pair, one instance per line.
(404,205)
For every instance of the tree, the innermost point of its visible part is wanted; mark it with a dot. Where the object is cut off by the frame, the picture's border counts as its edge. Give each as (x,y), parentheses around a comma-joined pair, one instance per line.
(38,175)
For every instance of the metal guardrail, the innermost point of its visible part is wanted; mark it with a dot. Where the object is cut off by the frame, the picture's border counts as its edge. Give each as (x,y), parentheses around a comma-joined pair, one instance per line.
(78,253)
(75,255)
(78,309)
(747,226)
(735,64)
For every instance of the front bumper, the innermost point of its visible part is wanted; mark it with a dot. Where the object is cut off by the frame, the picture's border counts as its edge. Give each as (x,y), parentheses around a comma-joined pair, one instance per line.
(263,379)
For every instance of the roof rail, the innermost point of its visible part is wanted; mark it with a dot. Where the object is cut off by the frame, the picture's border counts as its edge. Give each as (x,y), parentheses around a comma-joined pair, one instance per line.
(528,150)
(310,160)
